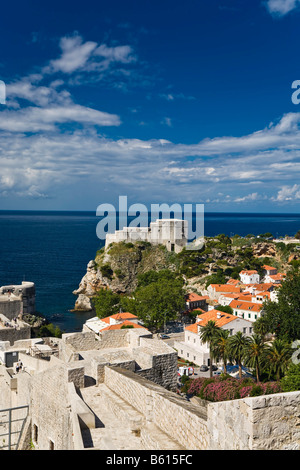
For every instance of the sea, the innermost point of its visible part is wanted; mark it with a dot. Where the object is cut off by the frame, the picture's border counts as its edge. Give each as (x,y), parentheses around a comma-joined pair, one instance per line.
(52,249)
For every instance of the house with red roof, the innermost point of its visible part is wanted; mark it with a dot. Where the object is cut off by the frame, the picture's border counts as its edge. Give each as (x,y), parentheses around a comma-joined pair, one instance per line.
(275,278)
(269,270)
(248,310)
(113,322)
(193,349)
(216,290)
(194,301)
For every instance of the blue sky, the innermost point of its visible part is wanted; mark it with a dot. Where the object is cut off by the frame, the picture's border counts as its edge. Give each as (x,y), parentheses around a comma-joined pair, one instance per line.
(160,101)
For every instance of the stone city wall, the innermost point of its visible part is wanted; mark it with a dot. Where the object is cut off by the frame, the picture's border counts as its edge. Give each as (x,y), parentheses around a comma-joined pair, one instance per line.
(269,422)
(181,420)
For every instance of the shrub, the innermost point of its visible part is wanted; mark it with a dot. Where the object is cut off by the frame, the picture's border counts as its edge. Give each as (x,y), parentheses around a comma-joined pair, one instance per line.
(228,388)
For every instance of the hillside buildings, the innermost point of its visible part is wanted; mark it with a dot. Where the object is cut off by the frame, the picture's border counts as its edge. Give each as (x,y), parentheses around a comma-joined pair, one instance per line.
(193,349)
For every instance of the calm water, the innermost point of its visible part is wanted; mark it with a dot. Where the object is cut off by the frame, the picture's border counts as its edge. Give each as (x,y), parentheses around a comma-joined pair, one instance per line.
(52,249)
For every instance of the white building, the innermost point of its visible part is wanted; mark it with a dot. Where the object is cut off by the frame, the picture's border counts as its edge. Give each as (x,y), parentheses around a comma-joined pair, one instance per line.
(249,277)
(247,310)
(172,233)
(193,349)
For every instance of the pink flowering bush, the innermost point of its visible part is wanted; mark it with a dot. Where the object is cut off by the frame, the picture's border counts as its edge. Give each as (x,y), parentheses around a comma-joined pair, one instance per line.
(228,388)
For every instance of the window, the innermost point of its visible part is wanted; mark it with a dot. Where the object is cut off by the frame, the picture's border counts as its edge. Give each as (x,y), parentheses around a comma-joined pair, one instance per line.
(244,330)
(51,445)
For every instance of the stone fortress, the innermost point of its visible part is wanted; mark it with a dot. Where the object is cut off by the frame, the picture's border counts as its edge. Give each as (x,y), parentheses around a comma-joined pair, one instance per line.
(172,233)
(16,301)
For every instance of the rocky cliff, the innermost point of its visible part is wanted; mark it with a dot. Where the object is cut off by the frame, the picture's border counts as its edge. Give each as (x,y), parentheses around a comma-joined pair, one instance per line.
(117,268)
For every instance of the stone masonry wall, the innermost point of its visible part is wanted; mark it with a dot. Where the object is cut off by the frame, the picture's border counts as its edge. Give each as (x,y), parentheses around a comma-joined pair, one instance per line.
(50,409)
(269,422)
(181,420)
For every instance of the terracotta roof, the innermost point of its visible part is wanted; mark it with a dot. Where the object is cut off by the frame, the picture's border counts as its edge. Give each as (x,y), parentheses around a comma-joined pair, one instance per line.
(277,277)
(253,271)
(193,328)
(233,282)
(118,326)
(120,316)
(268,268)
(225,288)
(192,297)
(213,315)
(261,287)
(253,306)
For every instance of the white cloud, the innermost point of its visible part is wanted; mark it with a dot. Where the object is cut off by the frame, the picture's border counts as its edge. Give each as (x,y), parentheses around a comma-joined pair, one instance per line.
(36,119)
(281,7)
(288,193)
(80,56)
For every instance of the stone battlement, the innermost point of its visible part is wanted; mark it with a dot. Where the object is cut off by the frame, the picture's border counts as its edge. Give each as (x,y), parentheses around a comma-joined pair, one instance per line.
(172,233)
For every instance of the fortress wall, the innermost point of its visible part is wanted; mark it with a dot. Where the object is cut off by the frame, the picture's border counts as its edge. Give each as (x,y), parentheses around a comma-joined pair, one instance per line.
(182,421)
(11,308)
(269,422)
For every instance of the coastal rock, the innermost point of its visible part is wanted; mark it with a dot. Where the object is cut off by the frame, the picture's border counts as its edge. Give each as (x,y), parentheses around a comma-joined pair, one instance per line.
(91,281)
(117,269)
(83,303)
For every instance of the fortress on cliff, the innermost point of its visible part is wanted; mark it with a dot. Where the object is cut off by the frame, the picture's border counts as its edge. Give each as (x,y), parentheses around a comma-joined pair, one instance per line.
(172,233)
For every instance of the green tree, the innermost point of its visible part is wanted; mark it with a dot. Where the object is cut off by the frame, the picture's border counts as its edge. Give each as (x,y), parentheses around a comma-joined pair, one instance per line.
(255,353)
(261,327)
(278,357)
(283,317)
(225,308)
(220,346)
(159,302)
(237,348)
(208,334)
(106,303)
(291,381)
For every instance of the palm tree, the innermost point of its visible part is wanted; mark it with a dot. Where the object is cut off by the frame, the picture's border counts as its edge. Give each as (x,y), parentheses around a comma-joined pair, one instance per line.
(208,333)
(255,352)
(260,327)
(220,346)
(237,349)
(278,356)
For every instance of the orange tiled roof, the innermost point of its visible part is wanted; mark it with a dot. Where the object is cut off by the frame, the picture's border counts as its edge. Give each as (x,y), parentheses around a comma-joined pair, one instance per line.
(118,326)
(192,297)
(253,271)
(120,316)
(233,282)
(254,307)
(213,315)
(277,277)
(261,287)
(268,268)
(225,288)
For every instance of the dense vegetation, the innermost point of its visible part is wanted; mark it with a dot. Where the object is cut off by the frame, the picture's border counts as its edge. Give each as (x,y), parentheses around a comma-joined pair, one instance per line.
(158,298)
